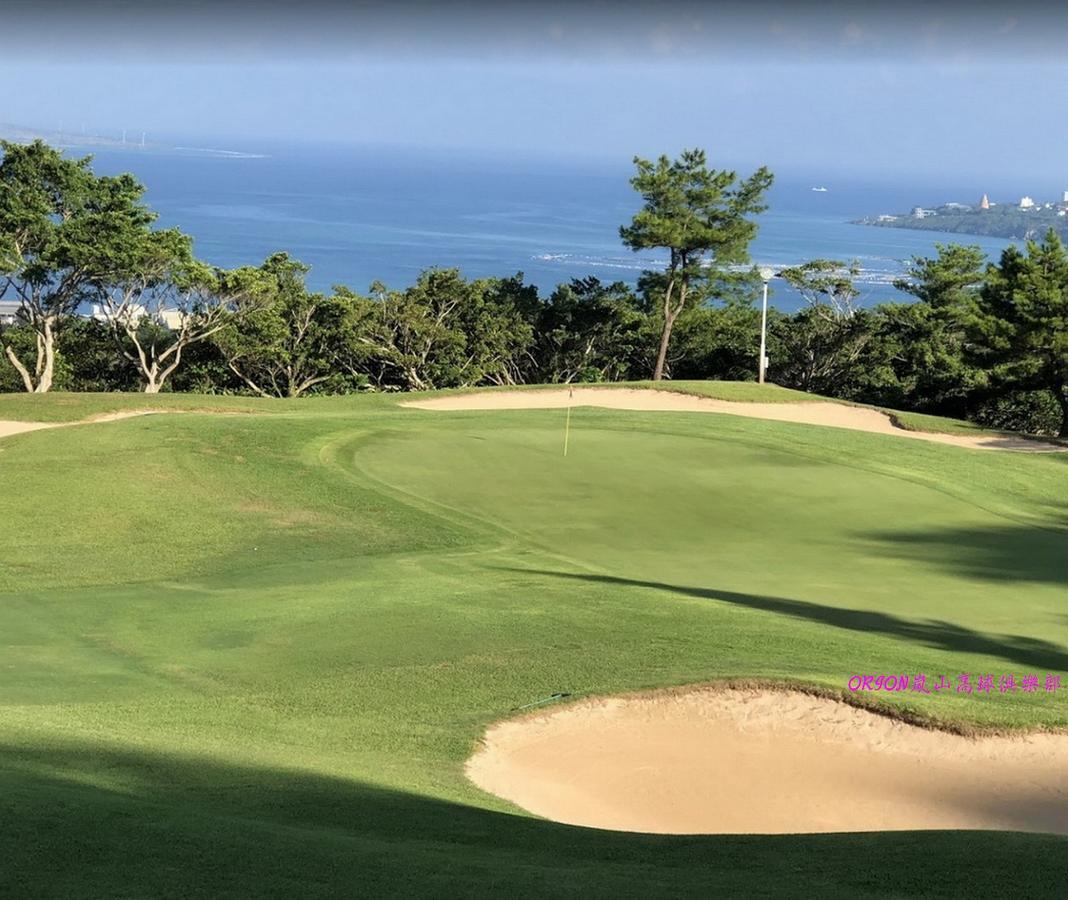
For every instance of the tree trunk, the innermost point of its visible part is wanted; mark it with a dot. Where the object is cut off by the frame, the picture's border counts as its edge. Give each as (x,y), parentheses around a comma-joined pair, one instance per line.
(45,366)
(661,357)
(44,382)
(27,381)
(665,336)
(153,381)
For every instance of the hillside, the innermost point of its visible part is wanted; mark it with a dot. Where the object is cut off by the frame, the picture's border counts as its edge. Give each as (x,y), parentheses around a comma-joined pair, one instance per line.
(249,646)
(1003,221)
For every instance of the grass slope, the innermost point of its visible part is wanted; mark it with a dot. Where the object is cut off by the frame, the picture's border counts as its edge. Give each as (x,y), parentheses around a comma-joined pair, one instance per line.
(75,407)
(248,654)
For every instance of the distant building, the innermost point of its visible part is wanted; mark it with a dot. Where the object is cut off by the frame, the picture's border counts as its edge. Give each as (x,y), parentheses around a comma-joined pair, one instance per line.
(887,218)
(918,212)
(1026,203)
(168,318)
(1064,199)
(171,318)
(101,313)
(957,206)
(985,202)
(8,311)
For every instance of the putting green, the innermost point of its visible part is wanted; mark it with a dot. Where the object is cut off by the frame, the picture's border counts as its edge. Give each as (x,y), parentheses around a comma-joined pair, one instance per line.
(249,654)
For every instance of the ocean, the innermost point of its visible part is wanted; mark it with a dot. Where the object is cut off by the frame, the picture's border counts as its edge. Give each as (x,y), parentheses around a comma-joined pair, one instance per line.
(360,215)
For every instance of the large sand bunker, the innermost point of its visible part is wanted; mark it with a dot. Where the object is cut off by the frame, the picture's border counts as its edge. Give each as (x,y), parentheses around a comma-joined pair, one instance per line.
(8,427)
(835,415)
(716,761)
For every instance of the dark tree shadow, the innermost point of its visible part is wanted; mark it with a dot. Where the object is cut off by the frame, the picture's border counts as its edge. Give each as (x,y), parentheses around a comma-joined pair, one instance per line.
(80,820)
(936,633)
(999,553)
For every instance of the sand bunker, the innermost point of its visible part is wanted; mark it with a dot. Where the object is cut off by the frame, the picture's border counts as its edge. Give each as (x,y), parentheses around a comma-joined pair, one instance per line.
(8,428)
(715,761)
(835,415)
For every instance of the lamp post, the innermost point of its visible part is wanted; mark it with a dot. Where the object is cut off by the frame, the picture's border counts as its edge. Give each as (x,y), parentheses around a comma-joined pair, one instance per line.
(766,274)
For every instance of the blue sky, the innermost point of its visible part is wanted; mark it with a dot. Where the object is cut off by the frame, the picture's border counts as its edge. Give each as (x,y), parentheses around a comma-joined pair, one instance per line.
(925,89)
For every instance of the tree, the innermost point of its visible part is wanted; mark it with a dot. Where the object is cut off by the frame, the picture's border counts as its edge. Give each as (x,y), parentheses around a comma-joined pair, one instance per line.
(444,331)
(159,301)
(497,322)
(411,334)
(930,337)
(699,216)
(719,338)
(20,342)
(1019,328)
(822,345)
(63,231)
(86,359)
(589,331)
(815,354)
(290,341)
(827,285)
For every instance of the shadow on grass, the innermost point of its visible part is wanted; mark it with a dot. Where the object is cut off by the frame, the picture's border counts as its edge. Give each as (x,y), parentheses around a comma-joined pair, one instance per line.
(99,821)
(1024,651)
(1003,553)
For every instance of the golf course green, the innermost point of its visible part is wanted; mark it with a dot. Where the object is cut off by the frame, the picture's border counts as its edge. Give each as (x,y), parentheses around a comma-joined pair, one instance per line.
(247,648)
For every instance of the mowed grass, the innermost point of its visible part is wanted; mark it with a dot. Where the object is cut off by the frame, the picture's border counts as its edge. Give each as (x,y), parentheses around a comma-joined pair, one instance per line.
(248,654)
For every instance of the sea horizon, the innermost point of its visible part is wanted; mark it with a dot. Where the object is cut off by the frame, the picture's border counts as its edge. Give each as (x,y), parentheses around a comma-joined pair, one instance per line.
(358,214)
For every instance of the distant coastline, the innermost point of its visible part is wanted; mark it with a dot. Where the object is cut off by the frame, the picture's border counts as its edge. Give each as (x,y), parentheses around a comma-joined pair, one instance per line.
(1023,220)
(20,134)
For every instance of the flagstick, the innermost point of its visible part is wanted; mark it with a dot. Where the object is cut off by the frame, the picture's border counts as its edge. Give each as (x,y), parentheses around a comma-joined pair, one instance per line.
(567,427)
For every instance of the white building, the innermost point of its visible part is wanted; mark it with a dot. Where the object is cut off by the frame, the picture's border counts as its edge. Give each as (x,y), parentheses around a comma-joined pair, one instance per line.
(1026,203)
(168,318)
(1064,199)
(101,313)
(8,311)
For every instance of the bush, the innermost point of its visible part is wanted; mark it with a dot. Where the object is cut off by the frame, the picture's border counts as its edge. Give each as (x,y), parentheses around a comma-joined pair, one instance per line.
(1032,412)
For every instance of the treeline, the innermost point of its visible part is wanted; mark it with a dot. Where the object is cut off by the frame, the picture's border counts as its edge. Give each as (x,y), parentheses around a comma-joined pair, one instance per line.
(979,341)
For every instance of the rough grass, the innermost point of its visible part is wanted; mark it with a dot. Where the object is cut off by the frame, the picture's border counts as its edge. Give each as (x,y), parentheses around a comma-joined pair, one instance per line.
(248,654)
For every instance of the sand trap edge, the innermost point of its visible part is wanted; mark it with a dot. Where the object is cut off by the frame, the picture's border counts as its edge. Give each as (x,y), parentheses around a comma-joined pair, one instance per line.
(823,413)
(921,736)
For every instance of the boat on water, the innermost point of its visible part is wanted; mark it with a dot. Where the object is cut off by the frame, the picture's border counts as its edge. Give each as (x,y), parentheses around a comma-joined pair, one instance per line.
(820,190)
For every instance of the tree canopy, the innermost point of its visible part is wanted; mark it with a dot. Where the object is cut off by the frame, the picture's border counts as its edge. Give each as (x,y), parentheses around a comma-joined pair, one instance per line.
(65,233)
(107,301)
(700,217)
(1019,326)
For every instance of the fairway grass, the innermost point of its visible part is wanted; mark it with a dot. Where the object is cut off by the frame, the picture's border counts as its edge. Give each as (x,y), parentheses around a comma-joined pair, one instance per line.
(249,654)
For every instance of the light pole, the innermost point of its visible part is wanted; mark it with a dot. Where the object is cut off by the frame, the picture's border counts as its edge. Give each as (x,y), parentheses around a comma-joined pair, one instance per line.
(766,274)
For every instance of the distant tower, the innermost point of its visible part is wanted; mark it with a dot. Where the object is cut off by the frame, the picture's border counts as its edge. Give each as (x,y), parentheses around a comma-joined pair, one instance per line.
(1064,199)
(985,202)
